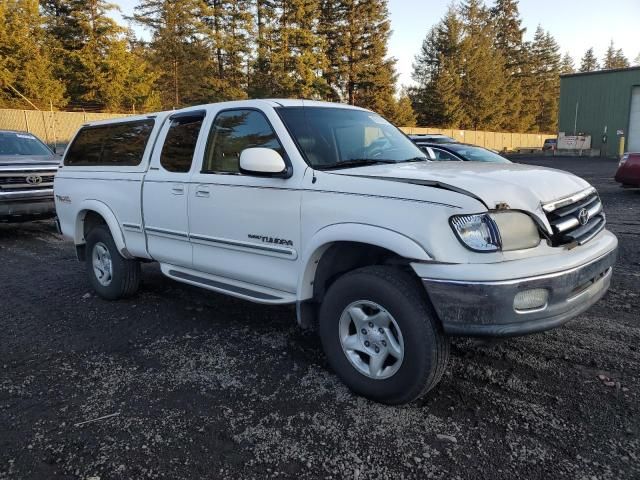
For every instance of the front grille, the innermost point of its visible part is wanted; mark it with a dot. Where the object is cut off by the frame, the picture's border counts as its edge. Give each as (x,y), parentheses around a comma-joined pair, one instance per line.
(576,222)
(26,180)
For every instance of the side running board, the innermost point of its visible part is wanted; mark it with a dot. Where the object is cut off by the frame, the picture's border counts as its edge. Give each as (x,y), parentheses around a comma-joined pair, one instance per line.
(254,293)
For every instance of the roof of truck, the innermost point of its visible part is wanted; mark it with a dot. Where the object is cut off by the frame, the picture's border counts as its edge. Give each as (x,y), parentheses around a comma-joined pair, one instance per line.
(273,102)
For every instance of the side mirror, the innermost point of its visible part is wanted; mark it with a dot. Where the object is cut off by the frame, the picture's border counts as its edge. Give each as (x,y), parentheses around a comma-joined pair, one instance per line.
(263,162)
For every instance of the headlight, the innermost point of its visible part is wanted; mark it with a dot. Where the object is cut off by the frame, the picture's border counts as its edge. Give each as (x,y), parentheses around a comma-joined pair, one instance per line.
(517,230)
(490,232)
(477,232)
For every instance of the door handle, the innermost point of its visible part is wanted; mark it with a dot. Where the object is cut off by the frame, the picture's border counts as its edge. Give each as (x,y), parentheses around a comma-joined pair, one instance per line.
(202,191)
(177,189)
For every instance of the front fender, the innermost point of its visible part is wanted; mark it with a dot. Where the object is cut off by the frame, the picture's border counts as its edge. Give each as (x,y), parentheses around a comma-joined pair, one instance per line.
(352,232)
(105,212)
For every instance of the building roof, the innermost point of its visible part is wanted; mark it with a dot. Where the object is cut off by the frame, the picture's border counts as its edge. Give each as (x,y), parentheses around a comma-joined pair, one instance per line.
(598,72)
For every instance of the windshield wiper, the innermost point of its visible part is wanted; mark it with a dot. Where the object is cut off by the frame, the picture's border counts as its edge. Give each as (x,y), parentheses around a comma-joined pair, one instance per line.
(355,162)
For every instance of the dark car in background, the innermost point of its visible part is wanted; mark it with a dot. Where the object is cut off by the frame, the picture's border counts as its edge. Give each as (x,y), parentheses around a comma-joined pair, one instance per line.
(460,152)
(550,144)
(27,169)
(628,173)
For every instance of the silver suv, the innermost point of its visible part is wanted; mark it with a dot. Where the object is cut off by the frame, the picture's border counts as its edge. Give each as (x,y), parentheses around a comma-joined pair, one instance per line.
(27,169)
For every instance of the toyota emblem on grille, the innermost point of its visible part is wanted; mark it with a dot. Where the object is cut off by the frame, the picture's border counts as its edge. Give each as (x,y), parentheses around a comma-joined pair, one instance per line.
(583,216)
(34,179)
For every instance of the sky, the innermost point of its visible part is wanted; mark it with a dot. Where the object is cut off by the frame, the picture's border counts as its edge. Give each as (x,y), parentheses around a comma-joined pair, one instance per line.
(575,24)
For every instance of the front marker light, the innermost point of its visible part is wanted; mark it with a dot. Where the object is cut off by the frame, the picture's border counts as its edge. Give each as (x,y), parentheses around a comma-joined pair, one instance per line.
(477,232)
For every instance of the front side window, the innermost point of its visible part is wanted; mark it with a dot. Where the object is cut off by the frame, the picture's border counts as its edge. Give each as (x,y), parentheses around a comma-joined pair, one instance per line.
(116,144)
(340,137)
(180,143)
(234,131)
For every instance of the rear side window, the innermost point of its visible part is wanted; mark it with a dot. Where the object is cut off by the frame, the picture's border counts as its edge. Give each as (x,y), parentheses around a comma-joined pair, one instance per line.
(119,144)
(180,143)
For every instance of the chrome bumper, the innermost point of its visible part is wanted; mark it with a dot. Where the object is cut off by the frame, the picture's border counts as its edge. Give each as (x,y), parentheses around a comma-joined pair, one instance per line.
(16,205)
(487,308)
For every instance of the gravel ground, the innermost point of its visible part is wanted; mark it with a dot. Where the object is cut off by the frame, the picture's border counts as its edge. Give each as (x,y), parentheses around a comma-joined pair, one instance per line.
(206,386)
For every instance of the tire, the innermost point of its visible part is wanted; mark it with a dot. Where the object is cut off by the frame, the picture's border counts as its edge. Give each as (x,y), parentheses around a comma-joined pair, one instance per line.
(379,296)
(124,278)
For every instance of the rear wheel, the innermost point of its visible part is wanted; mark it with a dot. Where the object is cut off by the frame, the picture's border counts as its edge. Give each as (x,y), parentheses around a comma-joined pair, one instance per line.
(111,275)
(381,335)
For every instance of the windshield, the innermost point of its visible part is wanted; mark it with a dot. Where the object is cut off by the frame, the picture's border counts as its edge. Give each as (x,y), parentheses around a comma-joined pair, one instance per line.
(477,154)
(342,137)
(14,143)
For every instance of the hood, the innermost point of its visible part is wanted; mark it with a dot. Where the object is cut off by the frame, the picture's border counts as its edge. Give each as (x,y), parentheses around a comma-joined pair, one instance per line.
(521,187)
(7,161)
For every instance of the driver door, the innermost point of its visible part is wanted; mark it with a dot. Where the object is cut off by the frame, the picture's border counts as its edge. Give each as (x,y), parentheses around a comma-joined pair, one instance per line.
(245,227)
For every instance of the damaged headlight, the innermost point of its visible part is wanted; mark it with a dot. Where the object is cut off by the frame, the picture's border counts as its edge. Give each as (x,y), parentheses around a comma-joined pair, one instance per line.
(490,232)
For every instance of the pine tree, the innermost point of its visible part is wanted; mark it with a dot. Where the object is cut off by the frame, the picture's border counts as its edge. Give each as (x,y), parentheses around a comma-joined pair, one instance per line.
(609,57)
(178,50)
(509,41)
(371,77)
(546,67)
(508,33)
(62,26)
(129,83)
(294,51)
(259,84)
(331,27)
(620,60)
(447,93)
(229,29)
(589,62)
(358,70)
(614,58)
(94,58)
(484,87)
(636,62)
(402,113)
(26,64)
(437,71)
(566,65)
(531,91)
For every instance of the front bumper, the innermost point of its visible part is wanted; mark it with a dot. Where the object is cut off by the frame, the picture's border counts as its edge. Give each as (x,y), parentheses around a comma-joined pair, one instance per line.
(486,308)
(26,204)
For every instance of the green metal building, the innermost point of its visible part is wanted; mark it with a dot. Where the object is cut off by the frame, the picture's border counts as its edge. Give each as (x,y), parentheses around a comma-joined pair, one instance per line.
(602,104)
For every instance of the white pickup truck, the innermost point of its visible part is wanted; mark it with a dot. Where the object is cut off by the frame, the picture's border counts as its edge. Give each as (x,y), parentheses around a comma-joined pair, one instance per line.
(333,209)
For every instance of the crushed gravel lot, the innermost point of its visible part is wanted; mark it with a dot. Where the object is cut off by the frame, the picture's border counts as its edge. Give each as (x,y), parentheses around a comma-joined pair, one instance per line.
(207,386)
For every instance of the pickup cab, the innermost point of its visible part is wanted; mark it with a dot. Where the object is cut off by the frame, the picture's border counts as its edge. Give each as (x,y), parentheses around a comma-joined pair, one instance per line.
(27,168)
(333,209)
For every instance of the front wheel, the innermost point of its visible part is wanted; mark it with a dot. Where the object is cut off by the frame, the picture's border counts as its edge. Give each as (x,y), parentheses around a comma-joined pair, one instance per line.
(111,275)
(381,335)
